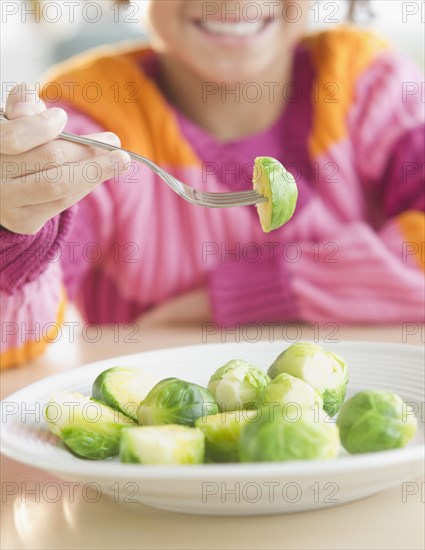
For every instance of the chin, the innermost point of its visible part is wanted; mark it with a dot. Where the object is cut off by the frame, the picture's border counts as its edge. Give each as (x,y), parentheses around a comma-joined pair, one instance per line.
(233,71)
(242,78)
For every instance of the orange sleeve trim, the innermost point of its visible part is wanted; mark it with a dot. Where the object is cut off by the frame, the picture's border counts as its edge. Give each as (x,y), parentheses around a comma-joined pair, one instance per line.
(412,227)
(339,57)
(30,350)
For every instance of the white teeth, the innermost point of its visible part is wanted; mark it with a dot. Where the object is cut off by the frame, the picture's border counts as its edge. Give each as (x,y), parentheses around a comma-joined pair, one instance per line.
(242,28)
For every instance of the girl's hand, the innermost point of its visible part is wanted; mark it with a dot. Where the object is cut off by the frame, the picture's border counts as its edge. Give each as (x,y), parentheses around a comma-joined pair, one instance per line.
(42,176)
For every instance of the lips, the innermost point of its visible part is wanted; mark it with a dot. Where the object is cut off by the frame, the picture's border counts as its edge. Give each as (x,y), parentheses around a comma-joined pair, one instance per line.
(240,28)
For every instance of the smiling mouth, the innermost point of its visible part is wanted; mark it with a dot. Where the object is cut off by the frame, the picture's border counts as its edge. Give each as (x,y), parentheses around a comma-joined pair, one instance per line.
(234,28)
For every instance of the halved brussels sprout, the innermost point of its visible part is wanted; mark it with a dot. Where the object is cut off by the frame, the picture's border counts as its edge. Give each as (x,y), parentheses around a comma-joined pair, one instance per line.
(325,371)
(175,401)
(276,437)
(170,444)
(222,432)
(123,388)
(238,385)
(90,429)
(374,420)
(287,389)
(274,182)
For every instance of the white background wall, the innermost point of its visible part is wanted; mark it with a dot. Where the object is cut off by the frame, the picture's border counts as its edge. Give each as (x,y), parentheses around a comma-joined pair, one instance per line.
(28,49)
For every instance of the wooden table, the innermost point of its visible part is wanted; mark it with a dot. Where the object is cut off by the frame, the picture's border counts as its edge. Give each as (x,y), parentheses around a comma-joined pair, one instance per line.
(40,511)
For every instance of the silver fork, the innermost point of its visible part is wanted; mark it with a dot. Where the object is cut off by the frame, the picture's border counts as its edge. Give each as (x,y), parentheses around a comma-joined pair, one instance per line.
(200,198)
(194,196)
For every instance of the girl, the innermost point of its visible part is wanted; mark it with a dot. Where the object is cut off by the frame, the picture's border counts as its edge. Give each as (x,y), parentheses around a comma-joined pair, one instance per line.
(220,85)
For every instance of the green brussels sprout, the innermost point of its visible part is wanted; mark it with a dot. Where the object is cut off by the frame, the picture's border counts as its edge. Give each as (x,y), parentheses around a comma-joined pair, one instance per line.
(123,389)
(276,437)
(287,389)
(222,431)
(323,370)
(175,401)
(274,182)
(374,420)
(90,429)
(170,444)
(238,385)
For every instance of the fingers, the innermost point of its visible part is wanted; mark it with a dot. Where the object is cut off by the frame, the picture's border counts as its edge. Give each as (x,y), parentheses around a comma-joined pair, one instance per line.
(42,176)
(28,220)
(25,133)
(56,152)
(23,102)
(30,124)
(61,182)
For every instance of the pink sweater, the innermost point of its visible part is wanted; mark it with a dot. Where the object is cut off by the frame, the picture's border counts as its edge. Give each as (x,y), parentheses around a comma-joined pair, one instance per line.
(351,253)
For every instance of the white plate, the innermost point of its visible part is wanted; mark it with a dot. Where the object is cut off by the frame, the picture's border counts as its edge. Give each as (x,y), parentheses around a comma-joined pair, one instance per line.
(226,489)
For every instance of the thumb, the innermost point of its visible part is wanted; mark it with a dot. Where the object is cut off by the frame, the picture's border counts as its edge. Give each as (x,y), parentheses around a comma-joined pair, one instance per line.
(23,101)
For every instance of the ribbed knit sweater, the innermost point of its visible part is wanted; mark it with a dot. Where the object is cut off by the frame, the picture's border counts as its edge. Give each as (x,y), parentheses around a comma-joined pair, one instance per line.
(352,133)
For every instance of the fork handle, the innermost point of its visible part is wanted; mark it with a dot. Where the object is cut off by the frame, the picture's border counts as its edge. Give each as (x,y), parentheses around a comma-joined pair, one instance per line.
(82,140)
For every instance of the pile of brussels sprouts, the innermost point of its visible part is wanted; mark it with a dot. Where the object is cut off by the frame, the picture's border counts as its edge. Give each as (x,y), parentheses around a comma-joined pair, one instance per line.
(244,414)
